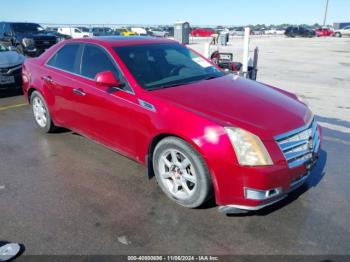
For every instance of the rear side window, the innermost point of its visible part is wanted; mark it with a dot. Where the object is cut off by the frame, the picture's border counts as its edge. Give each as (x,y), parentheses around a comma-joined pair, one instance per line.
(65,58)
(94,61)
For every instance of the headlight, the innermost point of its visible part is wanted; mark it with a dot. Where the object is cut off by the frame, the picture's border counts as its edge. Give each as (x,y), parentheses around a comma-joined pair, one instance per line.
(250,151)
(28,42)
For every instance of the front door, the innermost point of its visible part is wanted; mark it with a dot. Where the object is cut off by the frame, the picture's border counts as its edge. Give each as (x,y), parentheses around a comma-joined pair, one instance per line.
(105,114)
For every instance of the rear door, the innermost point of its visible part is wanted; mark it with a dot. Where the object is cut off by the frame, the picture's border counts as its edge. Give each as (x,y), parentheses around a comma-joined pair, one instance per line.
(59,78)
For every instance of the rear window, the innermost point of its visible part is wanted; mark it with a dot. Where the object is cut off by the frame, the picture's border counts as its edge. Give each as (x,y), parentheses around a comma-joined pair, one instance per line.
(65,58)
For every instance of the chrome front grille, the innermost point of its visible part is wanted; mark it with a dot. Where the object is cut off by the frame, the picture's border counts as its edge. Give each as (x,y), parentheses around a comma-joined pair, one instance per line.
(299,145)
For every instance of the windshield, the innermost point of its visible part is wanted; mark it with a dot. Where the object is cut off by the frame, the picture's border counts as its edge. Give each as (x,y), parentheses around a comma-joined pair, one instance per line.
(26,27)
(157,66)
(84,29)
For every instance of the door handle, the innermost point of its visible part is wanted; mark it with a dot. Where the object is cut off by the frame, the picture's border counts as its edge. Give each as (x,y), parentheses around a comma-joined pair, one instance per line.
(48,79)
(79,92)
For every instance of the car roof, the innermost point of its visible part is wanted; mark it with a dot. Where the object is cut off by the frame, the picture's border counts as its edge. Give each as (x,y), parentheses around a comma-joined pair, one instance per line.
(18,22)
(122,40)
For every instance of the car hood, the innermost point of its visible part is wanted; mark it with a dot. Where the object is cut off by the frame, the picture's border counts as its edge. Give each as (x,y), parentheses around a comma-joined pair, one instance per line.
(10,58)
(235,101)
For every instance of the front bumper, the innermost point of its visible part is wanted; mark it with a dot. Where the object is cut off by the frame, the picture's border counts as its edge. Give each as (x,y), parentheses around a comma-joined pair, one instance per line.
(295,184)
(281,178)
(17,76)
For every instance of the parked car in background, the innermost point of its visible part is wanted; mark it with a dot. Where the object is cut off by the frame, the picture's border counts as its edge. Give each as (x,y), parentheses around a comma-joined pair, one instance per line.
(84,29)
(74,32)
(169,30)
(237,31)
(274,31)
(10,67)
(103,31)
(202,132)
(125,31)
(29,38)
(60,37)
(294,31)
(203,32)
(159,32)
(325,31)
(345,31)
(139,31)
(341,25)
(258,32)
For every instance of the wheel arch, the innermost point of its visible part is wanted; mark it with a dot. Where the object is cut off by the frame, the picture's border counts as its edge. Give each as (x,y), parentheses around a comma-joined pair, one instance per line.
(30,91)
(157,138)
(152,145)
(33,89)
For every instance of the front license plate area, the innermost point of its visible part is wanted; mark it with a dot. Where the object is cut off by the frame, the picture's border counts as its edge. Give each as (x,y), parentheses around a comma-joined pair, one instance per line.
(4,80)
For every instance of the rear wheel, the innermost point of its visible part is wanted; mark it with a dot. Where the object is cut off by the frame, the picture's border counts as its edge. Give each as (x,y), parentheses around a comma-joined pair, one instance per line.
(41,113)
(337,34)
(181,172)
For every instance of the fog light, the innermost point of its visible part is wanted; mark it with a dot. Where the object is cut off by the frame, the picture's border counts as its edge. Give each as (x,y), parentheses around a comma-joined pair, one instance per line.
(256,194)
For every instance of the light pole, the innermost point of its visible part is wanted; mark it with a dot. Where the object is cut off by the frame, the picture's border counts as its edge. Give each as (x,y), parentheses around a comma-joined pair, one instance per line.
(325,14)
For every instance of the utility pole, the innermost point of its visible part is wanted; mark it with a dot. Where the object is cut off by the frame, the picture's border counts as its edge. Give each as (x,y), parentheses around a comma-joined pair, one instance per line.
(325,14)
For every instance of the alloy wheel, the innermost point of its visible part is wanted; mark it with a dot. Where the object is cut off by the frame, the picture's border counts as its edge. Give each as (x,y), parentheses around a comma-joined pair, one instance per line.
(177,174)
(40,112)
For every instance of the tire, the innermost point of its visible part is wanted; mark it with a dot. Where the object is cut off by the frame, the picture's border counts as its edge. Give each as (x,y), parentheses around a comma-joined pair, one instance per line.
(190,177)
(337,34)
(20,49)
(37,101)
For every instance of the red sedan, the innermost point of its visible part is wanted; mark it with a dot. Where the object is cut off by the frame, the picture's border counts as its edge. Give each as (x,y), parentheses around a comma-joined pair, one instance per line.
(203,32)
(202,133)
(324,32)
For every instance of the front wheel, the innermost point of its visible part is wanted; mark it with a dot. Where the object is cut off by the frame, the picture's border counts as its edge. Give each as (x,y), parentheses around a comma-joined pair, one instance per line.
(181,172)
(41,113)
(337,34)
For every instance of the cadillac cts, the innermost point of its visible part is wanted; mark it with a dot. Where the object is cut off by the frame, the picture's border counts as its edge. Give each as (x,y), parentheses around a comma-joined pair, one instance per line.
(202,133)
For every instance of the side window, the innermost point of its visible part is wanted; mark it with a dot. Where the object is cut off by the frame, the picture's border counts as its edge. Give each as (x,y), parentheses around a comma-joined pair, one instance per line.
(65,58)
(94,61)
(1,29)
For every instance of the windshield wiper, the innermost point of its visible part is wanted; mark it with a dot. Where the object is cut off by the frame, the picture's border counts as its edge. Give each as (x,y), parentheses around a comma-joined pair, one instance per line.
(167,86)
(210,77)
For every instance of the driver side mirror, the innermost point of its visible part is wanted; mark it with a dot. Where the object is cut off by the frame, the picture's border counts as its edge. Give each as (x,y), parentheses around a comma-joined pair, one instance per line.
(108,79)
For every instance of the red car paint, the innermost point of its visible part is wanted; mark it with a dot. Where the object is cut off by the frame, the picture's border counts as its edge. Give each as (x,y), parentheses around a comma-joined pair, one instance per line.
(324,32)
(202,32)
(196,112)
